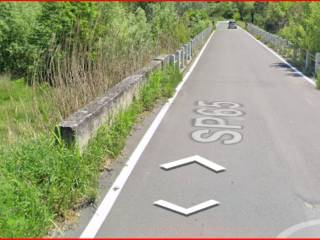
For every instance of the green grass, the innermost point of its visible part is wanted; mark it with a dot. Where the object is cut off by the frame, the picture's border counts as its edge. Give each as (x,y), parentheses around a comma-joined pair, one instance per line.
(241,24)
(24,110)
(42,179)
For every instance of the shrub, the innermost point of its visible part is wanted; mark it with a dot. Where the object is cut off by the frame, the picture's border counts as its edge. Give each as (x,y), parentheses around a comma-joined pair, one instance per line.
(197,21)
(17,21)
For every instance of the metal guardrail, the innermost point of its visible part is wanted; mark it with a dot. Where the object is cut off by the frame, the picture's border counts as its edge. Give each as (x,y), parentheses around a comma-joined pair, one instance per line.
(183,55)
(308,62)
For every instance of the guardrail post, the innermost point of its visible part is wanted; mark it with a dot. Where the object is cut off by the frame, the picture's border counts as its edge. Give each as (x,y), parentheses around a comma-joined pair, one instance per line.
(171,59)
(317,63)
(192,47)
(307,61)
(185,56)
(181,58)
(177,59)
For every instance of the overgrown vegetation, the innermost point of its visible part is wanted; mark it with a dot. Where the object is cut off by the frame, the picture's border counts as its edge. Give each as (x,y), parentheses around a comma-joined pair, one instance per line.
(25,111)
(42,179)
(81,49)
(297,22)
(70,53)
(55,58)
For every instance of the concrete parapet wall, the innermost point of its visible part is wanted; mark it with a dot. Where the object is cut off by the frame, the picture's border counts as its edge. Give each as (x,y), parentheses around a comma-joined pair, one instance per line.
(83,124)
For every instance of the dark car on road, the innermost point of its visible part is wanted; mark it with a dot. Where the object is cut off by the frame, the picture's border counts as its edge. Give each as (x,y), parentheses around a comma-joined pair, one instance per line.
(232,24)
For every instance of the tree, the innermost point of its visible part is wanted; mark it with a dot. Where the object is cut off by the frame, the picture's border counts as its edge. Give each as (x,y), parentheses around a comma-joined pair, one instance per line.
(244,9)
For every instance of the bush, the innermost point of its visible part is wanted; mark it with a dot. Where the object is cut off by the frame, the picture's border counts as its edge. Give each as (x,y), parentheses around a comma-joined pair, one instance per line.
(40,180)
(17,21)
(197,21)
(81,49)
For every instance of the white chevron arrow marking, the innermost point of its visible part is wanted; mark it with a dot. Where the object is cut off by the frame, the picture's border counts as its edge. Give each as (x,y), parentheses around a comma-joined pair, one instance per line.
(202,161)
(186,211)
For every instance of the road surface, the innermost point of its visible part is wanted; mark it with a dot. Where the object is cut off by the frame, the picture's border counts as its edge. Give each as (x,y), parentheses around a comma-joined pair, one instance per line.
(259,122)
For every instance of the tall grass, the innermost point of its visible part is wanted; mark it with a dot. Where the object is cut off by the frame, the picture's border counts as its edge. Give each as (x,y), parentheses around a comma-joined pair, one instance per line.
(82,72)
(78,55)
(42,180)
(25,111)
(101,45)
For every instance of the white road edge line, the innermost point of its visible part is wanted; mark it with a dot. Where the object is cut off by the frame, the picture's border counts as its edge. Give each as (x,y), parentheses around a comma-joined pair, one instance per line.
(292,230)
(103,210)
(281,58)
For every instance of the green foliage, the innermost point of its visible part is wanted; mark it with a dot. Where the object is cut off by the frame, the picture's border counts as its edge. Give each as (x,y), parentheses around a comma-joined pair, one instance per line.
(318,79)
(160,85)
(242,24)
(24,110)
(74,47)
(22,213)
(35,36)
(41,178)
(17,21)
(244,9)
(277,16)
(296,21)
(150,92)
(225,10)
(197,20)
(170,80)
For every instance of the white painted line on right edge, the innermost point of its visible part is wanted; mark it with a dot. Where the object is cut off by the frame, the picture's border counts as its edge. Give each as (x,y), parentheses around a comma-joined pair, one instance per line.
(301,226)
(105,207)
(281,58)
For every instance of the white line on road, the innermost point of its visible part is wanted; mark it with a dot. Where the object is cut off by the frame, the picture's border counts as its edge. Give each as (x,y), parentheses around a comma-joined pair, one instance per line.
(186,211)
(202,161)
(301,226)
(281,58)
(103,210)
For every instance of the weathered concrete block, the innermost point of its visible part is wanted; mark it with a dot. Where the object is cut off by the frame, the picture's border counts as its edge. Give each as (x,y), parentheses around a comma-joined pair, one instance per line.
(81,126)
(164,59)
(149,68)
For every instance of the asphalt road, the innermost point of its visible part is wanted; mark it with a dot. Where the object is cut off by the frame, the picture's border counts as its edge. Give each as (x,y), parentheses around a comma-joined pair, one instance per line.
(265,135)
